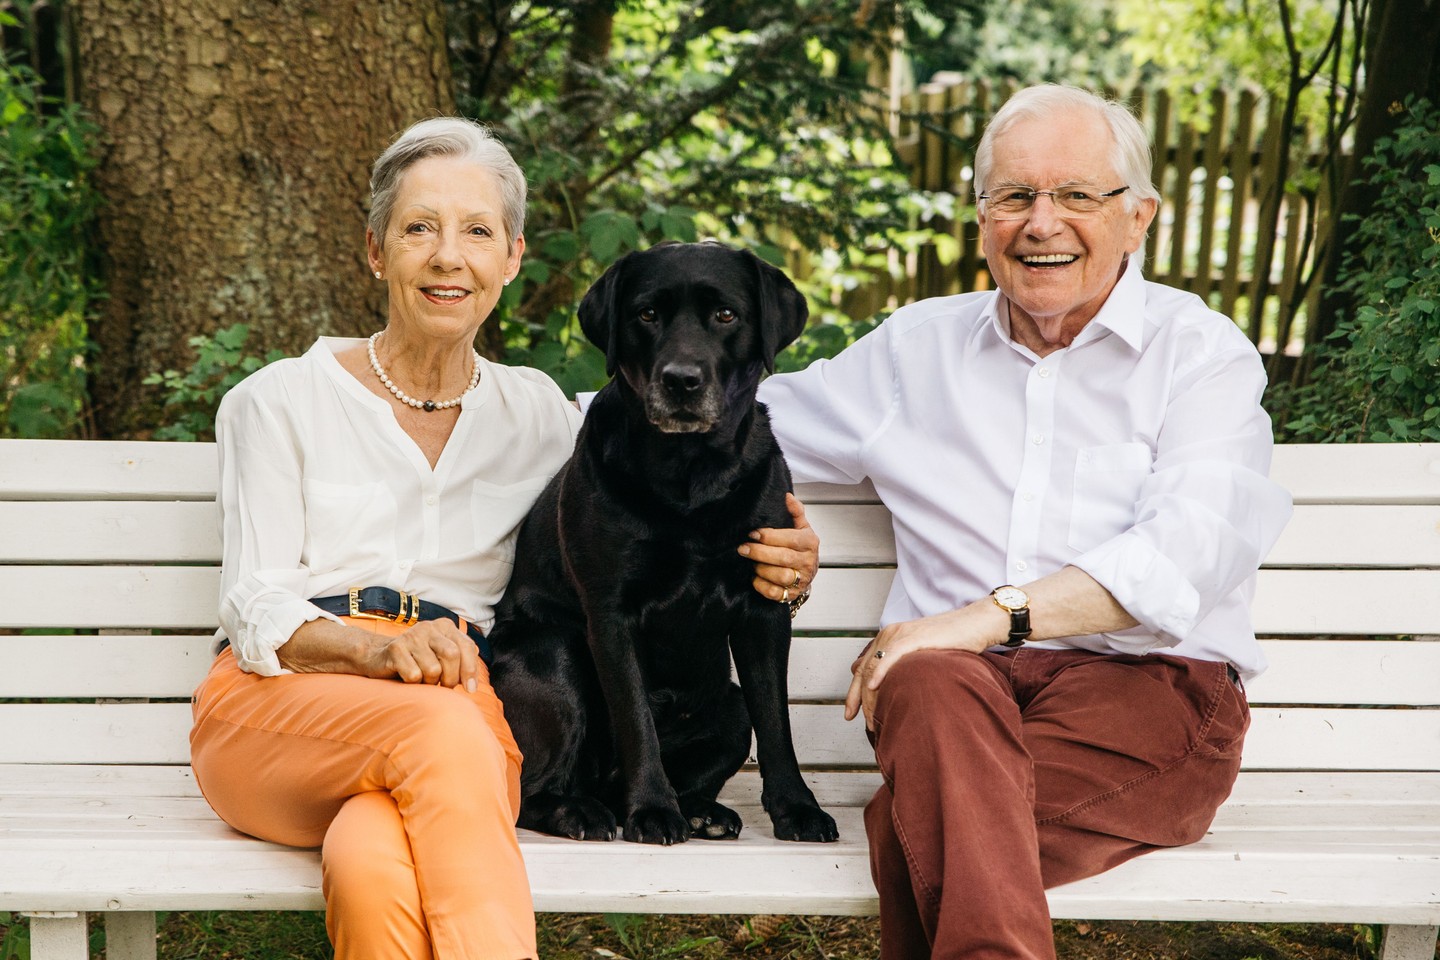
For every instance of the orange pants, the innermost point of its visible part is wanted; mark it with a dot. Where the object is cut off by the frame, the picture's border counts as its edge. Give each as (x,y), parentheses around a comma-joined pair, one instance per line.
(410,790)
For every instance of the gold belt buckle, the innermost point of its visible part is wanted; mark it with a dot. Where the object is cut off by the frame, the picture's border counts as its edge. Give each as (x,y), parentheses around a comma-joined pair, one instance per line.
(359,614)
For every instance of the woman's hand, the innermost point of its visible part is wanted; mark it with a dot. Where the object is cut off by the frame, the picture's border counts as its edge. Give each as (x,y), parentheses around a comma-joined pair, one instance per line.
(432,651)
(786,560)
(974,628)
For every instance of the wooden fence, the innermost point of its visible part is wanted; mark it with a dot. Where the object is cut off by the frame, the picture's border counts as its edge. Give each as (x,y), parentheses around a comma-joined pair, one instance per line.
(1228,229)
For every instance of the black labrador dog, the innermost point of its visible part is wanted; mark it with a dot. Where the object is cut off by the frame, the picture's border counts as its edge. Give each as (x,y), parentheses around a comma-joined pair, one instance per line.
(614,640)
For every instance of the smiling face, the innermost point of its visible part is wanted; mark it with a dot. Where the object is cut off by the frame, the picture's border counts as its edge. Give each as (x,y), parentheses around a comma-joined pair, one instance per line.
(445,256)
(1057,271)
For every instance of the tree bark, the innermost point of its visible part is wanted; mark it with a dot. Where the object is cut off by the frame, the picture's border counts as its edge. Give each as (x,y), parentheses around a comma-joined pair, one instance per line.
(1402,58)
(237,142)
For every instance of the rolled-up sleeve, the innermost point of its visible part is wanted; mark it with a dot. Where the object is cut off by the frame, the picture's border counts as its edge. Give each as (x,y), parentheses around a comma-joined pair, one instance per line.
(1208,513)
(262,519)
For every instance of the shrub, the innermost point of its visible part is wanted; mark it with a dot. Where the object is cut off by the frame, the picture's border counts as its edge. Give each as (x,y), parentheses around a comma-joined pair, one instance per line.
(45,292)
(1380,374)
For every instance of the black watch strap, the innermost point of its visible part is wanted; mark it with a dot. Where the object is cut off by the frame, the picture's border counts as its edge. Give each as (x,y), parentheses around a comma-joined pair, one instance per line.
(1019,627)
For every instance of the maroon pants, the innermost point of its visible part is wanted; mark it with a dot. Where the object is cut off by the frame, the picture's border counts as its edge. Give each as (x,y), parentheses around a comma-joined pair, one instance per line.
(1007,773)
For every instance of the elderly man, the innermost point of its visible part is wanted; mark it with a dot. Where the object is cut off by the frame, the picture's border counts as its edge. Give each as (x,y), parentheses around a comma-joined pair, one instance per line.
(1076,465)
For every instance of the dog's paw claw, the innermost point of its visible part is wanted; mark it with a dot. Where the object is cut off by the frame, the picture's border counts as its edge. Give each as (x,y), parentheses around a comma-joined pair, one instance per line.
(806,824)
(710,820)
(662,825)
(579,818)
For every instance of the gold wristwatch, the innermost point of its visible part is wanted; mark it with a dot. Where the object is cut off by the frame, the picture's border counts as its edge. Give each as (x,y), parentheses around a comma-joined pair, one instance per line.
(1014,602)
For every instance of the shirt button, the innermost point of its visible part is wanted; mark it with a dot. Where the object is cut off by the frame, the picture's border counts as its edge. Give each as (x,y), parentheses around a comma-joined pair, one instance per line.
(1044,372)
(1021,565)
(430,500)
(1038,439)
(406,564)
(1027,497)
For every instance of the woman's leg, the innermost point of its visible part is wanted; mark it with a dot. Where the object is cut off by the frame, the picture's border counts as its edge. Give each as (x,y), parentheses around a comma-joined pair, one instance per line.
(278,757)
(372,900)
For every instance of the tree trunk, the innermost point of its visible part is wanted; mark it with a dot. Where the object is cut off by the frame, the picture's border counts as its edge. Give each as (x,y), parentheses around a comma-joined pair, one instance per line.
(237,141)
(1402,58)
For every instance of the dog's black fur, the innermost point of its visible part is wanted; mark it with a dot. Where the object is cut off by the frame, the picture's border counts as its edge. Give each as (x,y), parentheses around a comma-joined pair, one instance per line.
(613,642)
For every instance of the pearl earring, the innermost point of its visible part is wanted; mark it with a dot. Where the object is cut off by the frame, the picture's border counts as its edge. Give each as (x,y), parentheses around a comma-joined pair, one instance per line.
(377,274)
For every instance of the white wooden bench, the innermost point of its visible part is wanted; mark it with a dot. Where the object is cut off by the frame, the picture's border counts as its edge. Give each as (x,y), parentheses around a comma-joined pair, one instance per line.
(1335,819)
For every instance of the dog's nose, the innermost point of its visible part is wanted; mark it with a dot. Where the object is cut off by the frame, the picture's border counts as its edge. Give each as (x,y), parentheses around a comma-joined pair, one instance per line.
(682,378)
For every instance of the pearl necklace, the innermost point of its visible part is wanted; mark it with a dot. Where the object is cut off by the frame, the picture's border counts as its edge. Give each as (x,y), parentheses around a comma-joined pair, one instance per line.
(429,406)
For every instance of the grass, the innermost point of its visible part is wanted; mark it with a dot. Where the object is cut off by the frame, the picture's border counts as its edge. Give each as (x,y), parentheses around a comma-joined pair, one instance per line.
(301,936)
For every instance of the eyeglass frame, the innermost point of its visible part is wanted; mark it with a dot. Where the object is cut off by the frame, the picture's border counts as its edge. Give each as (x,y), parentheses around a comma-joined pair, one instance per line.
(1060,208)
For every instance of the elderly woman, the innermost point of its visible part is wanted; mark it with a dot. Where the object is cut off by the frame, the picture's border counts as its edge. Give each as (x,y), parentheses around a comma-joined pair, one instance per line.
(370,495)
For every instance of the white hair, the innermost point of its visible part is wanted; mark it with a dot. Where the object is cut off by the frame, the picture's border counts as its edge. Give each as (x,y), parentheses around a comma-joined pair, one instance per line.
(447,137)
(1130,154)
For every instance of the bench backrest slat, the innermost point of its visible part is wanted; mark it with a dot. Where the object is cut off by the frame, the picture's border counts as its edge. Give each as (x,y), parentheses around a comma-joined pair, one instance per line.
(122,537)
(1280,738)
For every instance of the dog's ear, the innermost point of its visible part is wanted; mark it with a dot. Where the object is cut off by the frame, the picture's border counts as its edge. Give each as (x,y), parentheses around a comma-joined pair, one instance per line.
(783,310)
(597,312)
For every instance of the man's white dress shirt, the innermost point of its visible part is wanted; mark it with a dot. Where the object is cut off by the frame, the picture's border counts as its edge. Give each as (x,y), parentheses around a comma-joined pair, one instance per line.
(322,491)
(1138,454)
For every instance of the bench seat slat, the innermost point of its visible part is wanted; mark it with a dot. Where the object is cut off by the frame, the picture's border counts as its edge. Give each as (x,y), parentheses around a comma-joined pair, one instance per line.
(754,874)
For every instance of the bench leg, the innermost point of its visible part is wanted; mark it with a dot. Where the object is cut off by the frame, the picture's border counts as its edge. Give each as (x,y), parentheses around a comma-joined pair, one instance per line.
(58,936)
(1401,942)
(129,935)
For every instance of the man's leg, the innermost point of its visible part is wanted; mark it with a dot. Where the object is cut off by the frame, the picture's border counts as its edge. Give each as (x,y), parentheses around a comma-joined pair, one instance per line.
(1130,753)
(959,860)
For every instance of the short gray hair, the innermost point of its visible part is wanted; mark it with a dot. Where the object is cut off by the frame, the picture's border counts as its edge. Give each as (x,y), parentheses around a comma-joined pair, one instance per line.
(1131,153)
(447,137)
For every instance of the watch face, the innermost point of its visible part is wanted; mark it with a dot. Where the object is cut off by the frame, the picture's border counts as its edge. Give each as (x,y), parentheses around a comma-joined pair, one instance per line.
(1011,598)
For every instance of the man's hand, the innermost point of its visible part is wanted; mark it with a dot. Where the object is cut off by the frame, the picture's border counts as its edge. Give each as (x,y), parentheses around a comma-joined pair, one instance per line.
(785,560)
(973,628)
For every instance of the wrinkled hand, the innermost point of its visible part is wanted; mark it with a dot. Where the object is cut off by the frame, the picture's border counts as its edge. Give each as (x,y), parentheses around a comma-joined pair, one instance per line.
(432,651)
(786,560)
(972,628)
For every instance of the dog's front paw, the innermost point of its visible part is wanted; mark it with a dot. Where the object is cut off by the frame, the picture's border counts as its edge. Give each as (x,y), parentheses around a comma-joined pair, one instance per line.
(662,824)
(710,820)
(579,818)
(806,822)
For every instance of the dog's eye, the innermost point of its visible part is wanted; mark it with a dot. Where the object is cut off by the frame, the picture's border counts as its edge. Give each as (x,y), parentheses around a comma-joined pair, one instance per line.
(648,315)
(725,315)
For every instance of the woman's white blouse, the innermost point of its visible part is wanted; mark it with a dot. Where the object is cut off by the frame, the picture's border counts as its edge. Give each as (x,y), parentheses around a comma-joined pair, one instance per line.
(322,491)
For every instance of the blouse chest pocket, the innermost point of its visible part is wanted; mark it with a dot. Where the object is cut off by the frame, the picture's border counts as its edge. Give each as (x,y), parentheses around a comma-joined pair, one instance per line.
(347,524)
(496,510)
(1108,481)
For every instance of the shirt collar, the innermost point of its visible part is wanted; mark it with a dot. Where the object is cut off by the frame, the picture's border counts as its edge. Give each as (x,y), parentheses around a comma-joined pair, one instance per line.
(1123,312)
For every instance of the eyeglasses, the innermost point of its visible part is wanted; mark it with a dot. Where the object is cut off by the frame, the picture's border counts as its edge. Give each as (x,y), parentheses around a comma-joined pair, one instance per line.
(1074,202)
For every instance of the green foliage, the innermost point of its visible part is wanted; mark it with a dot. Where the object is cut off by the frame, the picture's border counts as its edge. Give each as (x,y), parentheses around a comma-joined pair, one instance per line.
(642,943)
(45,293)
(193,397)
(1380,379)
(752,123)
(1195,46)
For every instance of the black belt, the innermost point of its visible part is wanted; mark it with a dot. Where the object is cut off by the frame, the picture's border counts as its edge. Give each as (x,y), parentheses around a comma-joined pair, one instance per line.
(382,603)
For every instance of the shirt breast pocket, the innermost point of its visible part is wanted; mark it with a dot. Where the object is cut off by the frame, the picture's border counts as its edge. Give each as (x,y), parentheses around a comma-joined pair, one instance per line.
(1108,479)
(347,524)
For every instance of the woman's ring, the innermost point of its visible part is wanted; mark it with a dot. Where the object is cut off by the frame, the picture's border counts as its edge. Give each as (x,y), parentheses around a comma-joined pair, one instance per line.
(796,581)
(785,596)
(879,654)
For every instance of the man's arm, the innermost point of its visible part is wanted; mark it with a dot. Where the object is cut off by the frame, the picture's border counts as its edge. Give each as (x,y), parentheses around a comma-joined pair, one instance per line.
(1067,603)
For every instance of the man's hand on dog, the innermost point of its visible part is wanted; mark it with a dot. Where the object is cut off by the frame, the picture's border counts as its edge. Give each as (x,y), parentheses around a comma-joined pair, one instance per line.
(785,560)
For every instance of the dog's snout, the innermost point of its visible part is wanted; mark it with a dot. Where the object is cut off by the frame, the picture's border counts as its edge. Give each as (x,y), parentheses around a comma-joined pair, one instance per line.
(682,379)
